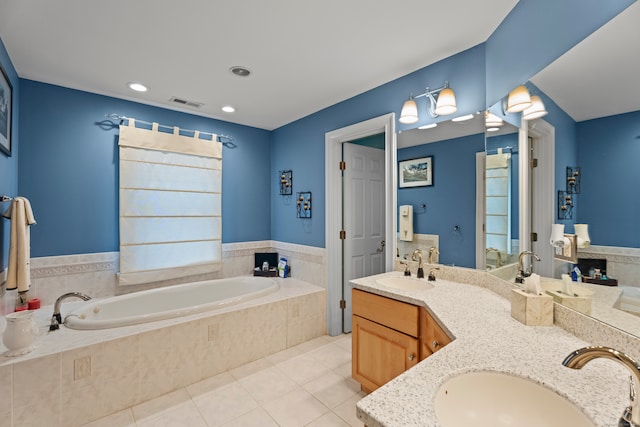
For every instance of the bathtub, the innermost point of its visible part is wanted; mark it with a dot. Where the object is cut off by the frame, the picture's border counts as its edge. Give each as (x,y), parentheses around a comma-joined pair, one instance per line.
(169,302)
(629,301)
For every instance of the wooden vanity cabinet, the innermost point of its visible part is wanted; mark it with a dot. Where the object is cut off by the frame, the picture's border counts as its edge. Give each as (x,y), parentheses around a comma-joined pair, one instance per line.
(432,336)
(389,337)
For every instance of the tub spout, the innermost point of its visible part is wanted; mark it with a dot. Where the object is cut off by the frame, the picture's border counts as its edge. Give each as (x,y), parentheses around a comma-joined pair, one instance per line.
(56,319)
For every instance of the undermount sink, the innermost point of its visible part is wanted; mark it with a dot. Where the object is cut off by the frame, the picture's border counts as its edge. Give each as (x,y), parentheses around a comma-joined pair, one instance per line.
(405,283)
(495,399)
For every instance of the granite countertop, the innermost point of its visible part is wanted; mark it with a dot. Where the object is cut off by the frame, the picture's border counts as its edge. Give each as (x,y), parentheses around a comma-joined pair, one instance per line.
(487,338)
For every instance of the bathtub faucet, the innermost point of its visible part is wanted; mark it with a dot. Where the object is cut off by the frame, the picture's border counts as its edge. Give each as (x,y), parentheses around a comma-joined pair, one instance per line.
(56,319)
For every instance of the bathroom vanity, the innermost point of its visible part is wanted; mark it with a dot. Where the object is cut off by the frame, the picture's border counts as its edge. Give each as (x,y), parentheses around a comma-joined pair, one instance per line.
(389,337)
(484,338)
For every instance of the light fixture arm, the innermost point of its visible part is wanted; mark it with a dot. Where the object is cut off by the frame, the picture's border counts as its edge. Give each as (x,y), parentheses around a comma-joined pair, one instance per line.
(429,94)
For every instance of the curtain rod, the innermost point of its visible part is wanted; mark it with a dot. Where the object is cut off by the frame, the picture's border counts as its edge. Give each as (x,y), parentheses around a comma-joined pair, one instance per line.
(228,143)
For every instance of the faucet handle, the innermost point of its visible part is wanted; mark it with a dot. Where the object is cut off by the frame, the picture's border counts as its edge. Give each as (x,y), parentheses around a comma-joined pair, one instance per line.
(407,272)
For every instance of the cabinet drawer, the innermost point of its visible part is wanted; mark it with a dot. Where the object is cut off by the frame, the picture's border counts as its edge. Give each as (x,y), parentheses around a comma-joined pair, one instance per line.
(394,314)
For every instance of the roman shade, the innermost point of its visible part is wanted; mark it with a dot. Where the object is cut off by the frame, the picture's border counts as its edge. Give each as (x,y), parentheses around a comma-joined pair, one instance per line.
(170,205)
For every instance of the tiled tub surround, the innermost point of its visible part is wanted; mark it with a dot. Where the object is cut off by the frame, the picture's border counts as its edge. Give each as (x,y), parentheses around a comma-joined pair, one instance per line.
(73,377)
(622,263)
(486,337)
(95,274)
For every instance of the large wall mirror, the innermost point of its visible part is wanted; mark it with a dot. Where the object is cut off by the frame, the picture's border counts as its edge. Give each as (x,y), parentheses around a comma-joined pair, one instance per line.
(593,99)
(443,214)
(448,214)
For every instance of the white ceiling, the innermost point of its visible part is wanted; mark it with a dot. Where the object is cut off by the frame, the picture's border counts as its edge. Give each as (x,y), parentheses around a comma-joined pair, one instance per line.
(600,76)
(305,56)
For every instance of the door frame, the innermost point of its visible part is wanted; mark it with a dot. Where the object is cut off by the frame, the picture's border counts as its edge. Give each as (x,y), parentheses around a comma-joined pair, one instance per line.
(334,256)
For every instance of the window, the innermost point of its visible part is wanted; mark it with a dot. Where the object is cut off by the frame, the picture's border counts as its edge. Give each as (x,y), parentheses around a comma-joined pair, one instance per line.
(170,205)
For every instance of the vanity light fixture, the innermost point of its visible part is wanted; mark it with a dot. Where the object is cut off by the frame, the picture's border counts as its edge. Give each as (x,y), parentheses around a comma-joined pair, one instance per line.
(492,122)
(444,104)
(518,100)
(536,110)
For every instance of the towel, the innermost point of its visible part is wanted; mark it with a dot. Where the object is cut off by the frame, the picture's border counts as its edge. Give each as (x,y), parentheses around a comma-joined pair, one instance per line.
(19,272)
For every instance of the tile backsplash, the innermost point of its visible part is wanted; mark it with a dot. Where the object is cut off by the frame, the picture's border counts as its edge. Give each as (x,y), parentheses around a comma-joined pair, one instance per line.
(96,274)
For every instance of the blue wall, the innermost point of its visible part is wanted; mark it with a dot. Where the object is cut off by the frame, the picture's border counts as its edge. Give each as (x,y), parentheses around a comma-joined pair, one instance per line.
(68,164)
(450,200)
(300,145)
(68,168)
(536,33)
(9,165)
(608,155)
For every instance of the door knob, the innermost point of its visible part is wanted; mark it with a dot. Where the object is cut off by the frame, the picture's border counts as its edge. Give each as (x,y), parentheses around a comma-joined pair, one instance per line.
(381,248)
(412,356)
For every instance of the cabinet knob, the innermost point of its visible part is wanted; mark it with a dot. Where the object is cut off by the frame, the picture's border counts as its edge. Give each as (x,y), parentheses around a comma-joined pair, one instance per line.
(412,356)
(435,344)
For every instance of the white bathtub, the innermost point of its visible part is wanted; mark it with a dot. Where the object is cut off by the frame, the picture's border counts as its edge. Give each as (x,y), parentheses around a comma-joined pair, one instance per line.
(169,302)
(629,301)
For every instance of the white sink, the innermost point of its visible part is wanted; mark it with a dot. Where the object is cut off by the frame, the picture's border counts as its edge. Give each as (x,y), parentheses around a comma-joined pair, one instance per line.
(493,399)
(405,283)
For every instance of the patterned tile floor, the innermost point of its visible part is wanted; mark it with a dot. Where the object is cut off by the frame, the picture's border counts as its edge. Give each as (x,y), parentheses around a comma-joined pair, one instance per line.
(307,385)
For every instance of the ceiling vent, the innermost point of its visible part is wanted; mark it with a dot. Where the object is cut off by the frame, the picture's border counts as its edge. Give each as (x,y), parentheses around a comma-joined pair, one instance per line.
(186,102)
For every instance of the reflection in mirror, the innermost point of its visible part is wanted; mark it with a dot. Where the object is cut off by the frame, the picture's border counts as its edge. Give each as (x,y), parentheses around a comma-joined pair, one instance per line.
(597,129)
(443,216)
(501,193)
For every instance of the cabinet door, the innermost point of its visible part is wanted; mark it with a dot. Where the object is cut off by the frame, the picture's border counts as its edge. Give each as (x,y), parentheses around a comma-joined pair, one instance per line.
(432,336)
(380,354)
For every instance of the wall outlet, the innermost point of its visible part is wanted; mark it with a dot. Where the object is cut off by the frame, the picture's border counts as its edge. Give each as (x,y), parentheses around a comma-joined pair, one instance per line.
(295,310)
(213,332)
(82,368)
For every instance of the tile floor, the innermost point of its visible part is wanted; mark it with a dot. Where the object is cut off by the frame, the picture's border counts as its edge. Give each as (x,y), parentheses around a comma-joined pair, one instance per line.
(306,385)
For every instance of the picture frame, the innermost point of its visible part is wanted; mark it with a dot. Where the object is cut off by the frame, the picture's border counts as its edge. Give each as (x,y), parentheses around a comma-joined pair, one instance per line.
(415,172)
(568,253)
(6,109)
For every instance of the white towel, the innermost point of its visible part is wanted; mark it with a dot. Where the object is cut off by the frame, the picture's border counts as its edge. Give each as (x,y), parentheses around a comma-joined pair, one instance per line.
(19,272)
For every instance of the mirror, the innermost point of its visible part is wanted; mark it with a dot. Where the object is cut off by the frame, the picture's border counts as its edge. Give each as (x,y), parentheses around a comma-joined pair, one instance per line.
(597,131)
(501,196)
(442,213)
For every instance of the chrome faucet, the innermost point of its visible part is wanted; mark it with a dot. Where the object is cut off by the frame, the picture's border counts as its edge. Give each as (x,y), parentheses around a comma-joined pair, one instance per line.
(520,275)
(418,253)
(56,319)
(579,358)
(498,256)
(433,250)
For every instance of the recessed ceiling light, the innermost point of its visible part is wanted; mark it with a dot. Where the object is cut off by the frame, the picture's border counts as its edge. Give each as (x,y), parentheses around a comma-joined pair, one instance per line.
(228,109)
(138,87)
(429,126)
(462,118)
(492,129)
(240,71)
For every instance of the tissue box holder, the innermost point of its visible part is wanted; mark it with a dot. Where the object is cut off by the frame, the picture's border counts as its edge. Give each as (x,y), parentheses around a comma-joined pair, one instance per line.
(530,309)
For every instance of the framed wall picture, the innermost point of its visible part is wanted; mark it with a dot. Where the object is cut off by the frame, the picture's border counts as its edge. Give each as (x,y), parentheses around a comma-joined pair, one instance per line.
(6,93)
(415,172)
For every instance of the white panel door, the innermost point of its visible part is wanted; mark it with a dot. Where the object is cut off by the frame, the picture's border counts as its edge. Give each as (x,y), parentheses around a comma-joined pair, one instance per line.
(363,217)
